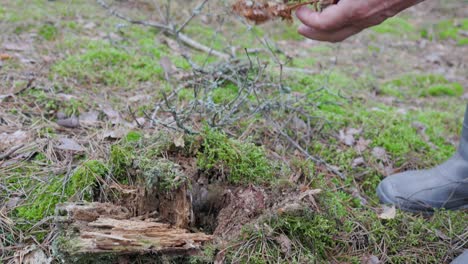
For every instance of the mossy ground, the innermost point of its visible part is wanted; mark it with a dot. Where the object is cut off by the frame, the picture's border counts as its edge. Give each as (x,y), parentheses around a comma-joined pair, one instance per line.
(380,82)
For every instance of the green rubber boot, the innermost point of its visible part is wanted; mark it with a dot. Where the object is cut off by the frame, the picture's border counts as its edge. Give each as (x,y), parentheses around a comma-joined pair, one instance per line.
(445,186)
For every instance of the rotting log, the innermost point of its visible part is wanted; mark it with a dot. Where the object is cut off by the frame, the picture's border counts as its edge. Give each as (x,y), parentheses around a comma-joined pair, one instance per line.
(105,231)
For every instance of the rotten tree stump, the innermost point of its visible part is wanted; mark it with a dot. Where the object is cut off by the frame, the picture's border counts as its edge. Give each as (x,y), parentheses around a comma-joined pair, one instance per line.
(99,229)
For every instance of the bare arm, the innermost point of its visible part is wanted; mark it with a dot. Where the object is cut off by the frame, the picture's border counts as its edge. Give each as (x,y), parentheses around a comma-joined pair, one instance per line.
(348,17)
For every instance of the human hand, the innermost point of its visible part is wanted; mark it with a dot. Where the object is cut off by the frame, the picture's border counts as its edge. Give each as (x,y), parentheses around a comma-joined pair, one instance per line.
(348,17)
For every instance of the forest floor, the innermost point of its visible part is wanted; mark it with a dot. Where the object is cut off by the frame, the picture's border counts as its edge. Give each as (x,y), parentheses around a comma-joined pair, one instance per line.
(276,142)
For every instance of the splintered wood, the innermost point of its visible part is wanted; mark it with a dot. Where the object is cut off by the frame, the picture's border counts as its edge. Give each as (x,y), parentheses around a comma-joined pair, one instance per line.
(262,11)
(105,228)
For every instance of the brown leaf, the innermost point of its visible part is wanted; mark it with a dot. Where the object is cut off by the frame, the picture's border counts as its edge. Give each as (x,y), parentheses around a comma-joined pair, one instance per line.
(16,46)
(113,115)
(12,139)
(388,212)
(117,133)
(358,162)
(285,244)
(347,136)
(370,259)
(31,255)
(179,141)
(168,66)
(379,153)
(71,122)
(89,118)
(5,56)
(362,144)
(69,144)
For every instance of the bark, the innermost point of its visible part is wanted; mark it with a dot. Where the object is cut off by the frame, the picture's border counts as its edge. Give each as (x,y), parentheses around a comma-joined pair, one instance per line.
(106,230)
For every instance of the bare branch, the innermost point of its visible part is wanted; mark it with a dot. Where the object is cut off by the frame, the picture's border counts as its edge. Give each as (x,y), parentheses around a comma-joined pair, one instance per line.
(169,31)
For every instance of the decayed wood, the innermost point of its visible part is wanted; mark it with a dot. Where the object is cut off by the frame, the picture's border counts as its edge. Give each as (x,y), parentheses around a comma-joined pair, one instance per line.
(83,234)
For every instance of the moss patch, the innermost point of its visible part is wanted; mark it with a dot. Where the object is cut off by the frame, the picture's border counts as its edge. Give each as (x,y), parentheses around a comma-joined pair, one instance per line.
(448,29)
(46,195)
(395,26)
(240,162)
(419,85)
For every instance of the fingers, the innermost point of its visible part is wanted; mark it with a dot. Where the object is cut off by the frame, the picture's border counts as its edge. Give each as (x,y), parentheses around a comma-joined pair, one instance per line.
(333,36)
(332,18)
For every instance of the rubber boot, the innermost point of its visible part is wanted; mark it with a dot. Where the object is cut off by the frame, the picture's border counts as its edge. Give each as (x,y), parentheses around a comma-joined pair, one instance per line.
(462,259)
(445,186)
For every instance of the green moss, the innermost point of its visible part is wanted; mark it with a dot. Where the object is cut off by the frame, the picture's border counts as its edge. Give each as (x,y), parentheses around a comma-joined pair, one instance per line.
(463,41)
(106,64)
(41,202)
(48,31)
(395,26)
(121,159)
(420,85)
(135,152)
(133,136)
(240,162)
(447,29)
(452,89)
(225,94)
(162,174)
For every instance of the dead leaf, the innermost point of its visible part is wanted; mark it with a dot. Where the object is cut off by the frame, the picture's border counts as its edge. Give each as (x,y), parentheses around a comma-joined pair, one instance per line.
(31,255)
(220,257)
(117,133)
(139,97)
(370,259)
(5,56)
(12,139)
(285,244)
(179,141)
(356,194)
(362,144)
(388,212)
(12,202)
(168,66)
(262,11)
(379,153)
(70,122)
(69,144)
(113,115)
(358,162)
(16,46)
(347,136)
(4,96)
(89,118)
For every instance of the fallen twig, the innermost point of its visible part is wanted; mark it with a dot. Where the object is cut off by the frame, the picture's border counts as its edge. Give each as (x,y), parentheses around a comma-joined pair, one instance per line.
(168,30)
(317,160)
(7,154)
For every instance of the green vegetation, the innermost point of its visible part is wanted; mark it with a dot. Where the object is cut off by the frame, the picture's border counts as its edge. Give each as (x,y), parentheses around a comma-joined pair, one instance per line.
(48,31)
(163,175)
(240,162)
(102,63)
(99,59)
(57,189)
(395,26)
(416,85)
(448,29)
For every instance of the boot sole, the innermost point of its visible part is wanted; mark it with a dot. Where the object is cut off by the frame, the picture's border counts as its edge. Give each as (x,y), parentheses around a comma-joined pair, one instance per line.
(384,199)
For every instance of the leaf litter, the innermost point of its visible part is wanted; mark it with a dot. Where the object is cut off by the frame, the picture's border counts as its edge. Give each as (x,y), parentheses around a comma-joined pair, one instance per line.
(263,11)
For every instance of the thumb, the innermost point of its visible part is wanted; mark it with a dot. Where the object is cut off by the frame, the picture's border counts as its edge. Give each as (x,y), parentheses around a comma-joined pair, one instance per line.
(332,18)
